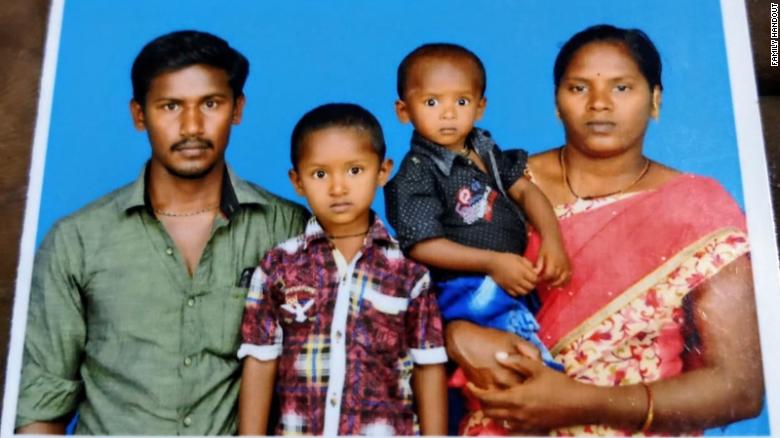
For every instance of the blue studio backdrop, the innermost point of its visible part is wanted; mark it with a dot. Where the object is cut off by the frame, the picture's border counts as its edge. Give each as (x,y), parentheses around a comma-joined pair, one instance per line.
(305,53)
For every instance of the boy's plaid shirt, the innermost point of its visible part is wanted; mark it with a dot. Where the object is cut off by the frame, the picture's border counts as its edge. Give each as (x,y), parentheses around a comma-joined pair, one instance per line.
(352,333)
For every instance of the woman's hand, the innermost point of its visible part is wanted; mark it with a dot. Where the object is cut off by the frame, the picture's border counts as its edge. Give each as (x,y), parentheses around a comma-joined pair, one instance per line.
(546,399)
(474,348)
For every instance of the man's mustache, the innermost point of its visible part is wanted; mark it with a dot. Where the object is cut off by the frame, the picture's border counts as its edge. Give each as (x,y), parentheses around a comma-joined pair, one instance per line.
(192,143)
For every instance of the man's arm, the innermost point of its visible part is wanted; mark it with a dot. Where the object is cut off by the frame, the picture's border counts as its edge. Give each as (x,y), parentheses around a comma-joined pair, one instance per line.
(254,399)
(429,384)
(50,387)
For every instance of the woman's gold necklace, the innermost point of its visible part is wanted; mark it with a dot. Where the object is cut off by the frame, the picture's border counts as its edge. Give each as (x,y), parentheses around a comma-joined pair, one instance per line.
(567,183)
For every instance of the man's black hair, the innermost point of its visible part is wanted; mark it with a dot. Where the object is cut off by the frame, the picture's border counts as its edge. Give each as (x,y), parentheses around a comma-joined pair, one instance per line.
(181,49)
(639,45)
(336,115)
(438,50)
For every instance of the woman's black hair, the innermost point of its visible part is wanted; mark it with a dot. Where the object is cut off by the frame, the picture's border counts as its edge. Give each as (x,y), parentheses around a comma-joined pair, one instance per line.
(639,45)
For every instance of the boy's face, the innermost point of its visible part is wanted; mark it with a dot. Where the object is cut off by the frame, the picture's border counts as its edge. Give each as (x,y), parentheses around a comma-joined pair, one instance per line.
(443,100)
(338,173)
(188,115)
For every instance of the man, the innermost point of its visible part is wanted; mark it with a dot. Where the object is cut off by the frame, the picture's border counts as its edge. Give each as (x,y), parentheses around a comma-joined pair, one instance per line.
(137,298)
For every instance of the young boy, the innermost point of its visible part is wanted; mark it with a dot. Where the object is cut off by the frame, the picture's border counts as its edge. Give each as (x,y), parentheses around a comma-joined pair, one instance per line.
(348,320)
(454,202)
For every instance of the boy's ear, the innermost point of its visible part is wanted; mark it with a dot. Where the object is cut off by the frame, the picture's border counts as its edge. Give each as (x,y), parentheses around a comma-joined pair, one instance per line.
(137,113)
(400,112)
(385,168)
(295,179)
(481,107)
(238,109)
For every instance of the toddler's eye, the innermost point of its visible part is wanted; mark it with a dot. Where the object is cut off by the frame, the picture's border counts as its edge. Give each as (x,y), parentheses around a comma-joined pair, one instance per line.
(463,101)
(318,174)
(355,170)
(430,102)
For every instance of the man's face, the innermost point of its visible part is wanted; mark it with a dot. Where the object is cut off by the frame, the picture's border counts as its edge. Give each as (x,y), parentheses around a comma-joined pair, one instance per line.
(188,115)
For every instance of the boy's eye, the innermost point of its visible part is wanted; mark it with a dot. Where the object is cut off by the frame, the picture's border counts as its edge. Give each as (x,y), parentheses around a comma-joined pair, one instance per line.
(431,102)
(355,170)
(319,174)
(463,101)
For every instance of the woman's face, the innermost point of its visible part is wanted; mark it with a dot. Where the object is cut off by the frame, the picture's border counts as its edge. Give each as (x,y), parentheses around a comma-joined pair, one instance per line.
(604,100)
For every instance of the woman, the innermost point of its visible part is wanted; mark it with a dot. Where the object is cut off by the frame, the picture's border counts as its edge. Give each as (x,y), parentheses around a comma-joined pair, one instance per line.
(657,328)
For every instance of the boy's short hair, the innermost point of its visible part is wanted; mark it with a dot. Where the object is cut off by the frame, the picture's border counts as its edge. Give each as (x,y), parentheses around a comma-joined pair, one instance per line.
(438,50)
(337,115)
(184,48)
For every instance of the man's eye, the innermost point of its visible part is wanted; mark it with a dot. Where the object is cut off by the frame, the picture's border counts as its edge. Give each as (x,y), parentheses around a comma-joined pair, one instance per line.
(355,170)
(210,104)
(319,174)
(170,106)
(430,102)
(463,101)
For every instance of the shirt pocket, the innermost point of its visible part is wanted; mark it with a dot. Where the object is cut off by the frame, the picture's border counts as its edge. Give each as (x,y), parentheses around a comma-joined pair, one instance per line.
(382,323)
(233,312)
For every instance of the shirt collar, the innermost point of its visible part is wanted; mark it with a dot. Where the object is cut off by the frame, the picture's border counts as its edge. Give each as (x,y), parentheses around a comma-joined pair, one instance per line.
(377,233)
(478,139)
(235,192)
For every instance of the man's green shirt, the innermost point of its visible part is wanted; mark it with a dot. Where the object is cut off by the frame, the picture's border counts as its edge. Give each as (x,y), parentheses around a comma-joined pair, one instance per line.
(118,330)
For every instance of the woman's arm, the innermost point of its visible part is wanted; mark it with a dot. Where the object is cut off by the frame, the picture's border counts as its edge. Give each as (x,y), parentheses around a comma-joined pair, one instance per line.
(726,388)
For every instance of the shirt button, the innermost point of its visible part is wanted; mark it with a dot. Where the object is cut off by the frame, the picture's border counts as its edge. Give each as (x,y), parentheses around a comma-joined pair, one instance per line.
(187,421)
(191,302)
(338,335)
(169,251)
(187,361)
(333,402)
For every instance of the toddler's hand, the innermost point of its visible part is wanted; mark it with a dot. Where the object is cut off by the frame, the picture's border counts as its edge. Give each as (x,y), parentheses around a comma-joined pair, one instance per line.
(553,265)
(514,273)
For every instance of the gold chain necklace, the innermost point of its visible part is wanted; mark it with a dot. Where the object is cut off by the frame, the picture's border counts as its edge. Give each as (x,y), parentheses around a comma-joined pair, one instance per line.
(191,213)
(567,183)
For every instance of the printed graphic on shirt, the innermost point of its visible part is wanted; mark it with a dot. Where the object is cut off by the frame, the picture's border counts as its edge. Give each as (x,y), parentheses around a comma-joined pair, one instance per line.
(298,301)
(475,202)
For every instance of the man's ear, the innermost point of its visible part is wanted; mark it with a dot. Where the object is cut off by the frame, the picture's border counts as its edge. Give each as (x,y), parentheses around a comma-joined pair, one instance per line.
(401,112)
(238,109)
(137,113)
(295,179)
(384,172)
(481,105)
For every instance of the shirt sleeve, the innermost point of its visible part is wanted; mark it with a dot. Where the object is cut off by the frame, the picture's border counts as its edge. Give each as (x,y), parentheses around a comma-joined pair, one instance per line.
(424,325)
(261,334)
(50,385)
(413,203)
(511,165)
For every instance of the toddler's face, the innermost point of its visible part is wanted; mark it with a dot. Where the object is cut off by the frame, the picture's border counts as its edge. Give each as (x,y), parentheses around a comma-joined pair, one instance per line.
(443,100)
(338,173)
